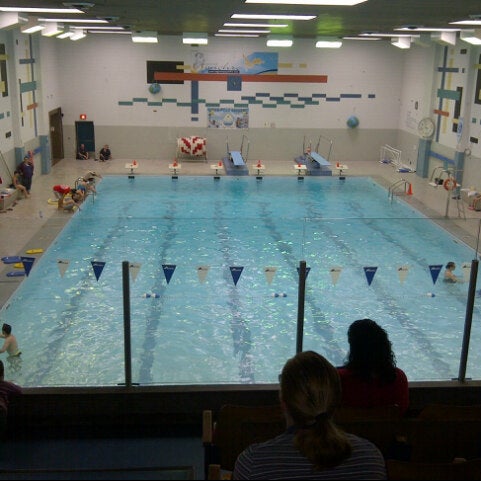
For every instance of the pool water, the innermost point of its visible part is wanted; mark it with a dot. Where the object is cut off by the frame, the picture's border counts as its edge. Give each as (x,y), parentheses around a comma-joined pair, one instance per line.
(214,283)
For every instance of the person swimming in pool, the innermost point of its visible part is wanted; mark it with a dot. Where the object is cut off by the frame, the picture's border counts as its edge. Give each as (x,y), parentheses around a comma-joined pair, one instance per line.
(449,275)
(10,344)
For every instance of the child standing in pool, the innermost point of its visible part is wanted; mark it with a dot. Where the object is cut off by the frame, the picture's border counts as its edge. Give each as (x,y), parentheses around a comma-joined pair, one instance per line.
(449,275)
(10,344)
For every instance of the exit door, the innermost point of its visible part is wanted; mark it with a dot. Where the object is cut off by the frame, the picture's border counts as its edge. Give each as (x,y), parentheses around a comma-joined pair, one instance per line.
(85,134)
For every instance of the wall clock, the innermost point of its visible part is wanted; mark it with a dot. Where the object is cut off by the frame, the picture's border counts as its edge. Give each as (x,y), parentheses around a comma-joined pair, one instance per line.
(426,128)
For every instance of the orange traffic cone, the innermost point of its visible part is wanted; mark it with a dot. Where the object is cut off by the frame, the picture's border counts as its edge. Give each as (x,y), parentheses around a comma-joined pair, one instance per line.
(259,163)
(175,163)
(219,164)
(410,190)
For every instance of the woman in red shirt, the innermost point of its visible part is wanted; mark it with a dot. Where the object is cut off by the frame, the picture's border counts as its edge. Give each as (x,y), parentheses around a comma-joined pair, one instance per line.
(370,377)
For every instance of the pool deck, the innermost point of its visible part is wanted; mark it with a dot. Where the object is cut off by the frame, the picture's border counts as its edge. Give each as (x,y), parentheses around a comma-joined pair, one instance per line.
(33,223)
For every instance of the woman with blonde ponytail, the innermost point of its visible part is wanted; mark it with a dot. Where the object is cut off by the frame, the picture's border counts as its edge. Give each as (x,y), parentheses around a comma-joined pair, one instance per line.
(312,447)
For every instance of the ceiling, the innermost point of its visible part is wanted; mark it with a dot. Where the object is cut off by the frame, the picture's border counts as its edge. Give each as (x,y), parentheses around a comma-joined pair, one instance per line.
(172,17)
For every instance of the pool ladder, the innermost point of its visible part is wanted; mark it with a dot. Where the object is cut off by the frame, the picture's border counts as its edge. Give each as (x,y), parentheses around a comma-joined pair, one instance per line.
(400,187)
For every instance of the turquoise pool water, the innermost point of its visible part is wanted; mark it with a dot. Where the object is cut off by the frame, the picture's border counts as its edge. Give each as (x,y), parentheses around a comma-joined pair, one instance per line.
(203,308)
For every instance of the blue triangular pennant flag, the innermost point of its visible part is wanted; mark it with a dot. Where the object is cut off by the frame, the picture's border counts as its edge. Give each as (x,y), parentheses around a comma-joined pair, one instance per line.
(98,267)
(307,271)
(168,271)
(435,270)
(236,273)
(370,273)
(27,264)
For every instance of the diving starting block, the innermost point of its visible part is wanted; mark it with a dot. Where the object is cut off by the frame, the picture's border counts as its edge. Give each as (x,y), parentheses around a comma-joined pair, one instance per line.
(174,167)
(132,166)
(315,157)
(236,158)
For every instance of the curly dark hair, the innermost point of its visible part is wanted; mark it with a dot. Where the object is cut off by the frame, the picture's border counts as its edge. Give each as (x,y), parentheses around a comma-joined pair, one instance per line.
(370,352)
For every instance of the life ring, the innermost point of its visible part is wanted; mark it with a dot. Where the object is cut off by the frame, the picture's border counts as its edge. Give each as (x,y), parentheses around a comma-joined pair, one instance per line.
(450,184)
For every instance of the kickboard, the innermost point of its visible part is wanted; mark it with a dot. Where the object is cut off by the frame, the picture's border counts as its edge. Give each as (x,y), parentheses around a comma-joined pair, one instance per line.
(11,259)
(16,274)
(18,265)
(34,251)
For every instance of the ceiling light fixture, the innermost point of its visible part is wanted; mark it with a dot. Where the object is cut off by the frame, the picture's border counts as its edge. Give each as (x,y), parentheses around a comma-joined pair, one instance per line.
(145,37)
(425,29)
(112,32)
(361,38)
(401,42)
(377,34)
(423,40)
(191,38)
(233,30)
(472,22)
(252,35)
(73,20)
(78,34)
(11,20)
(444,38)
(51,29)
(66,34)
(471,36)
(279,41)
(40,10)
(32,26)
(331,3)
(328,42)
(251,16)
(256,25)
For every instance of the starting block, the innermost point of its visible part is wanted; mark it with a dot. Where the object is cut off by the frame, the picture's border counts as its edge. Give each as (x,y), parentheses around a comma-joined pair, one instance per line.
(132,166)
(174,167)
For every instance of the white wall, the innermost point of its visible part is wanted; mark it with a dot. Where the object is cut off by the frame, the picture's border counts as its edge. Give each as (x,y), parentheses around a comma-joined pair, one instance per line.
(396,88)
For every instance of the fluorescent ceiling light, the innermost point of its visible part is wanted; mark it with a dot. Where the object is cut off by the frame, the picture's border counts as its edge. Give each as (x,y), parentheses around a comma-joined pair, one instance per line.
(101,27)
(11,20)
(466,22)
(65,34)
(191,38)
(73,20)
(32,26)
(256,25)
(401,42)
(279,41)
(361,38)
(52,29)
(426,29)
(272,17)
(444,38)
(328,42)
(78,34)
(233,30)
(144,37)
(471,36)
(347,3)
(40,10)
(112,32)
(236,35)
(400,35)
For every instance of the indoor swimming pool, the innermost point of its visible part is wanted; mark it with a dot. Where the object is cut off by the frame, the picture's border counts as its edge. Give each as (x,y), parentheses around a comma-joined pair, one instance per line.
(214,282)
